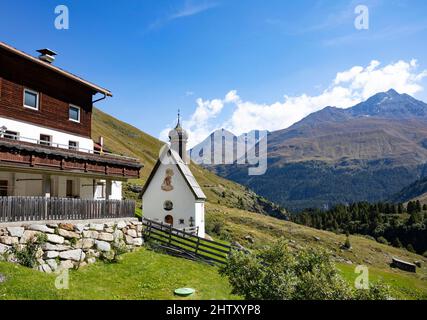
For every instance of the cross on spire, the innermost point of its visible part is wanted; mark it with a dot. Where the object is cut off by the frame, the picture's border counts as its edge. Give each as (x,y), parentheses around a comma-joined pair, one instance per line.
(178,125)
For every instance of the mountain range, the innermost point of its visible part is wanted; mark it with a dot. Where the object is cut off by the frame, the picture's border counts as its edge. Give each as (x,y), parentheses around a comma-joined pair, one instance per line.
(368,152)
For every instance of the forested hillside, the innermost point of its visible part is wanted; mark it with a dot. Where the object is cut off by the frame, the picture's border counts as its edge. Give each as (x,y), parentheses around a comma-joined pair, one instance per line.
(397,225)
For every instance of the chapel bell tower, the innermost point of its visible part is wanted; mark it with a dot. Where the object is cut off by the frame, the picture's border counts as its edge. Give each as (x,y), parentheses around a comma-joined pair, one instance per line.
(178,140)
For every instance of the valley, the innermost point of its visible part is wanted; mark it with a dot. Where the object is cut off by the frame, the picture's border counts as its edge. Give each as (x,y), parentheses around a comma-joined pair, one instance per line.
(365,153)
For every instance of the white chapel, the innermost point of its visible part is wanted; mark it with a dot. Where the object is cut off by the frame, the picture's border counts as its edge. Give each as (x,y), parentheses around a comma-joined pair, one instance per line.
(171,193)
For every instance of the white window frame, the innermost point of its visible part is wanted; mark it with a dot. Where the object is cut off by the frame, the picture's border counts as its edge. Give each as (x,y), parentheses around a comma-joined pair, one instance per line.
(78,108)
(37,99)
(8,133)
(44,142)
(76,148)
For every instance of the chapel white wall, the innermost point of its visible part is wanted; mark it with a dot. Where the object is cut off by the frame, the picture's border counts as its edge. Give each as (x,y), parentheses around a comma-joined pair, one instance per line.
(200,217)
(181,196)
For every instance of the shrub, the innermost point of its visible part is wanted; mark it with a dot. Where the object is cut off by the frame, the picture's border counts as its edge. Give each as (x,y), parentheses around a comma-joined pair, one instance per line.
(275,273)
(214,227)
(217,228)
(347,243)
(113,256)
(73,241)
(376,291)
(382,240)
(368,237)
(26,255)
(226,236)
(410,248)
(397,243)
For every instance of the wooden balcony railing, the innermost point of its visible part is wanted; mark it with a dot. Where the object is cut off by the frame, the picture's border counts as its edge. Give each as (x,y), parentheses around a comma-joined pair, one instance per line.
(23,209)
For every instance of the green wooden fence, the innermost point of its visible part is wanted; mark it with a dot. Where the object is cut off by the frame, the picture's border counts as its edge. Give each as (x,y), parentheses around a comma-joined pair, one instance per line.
(186,240)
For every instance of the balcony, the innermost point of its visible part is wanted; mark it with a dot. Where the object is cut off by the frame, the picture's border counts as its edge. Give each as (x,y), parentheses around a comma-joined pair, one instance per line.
(30,209)
(23,152)
(77,149)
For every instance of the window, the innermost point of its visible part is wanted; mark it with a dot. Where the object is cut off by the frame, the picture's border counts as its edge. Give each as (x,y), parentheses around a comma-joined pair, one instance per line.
(45,140)
(74,114)
(168,205)
(12,135)
(73,145)
(69,191)
(181,221)
(31,99)
(3,188)
(100,190)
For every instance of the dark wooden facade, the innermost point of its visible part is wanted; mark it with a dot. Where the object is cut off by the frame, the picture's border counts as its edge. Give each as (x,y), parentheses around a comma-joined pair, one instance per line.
(56,93)
(22,155)
(404,265)
(57,90)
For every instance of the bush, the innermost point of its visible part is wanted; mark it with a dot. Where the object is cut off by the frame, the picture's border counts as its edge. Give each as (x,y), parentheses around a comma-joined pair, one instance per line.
(275,273)
(382,240)
(397,243)
(347,243)
(216,227)
(410,248)
(376,291)
(113,256)
(367,237)
(27,255)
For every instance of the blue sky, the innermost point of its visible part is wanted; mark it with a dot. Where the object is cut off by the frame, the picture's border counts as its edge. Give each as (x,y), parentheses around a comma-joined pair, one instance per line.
(158,56)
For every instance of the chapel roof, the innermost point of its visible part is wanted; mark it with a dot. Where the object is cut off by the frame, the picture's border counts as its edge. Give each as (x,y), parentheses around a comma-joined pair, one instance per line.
(183,169)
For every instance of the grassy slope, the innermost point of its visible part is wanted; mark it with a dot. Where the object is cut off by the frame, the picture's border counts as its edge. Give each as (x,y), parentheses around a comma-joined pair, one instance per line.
(376,256)
(140,275)
(123,138)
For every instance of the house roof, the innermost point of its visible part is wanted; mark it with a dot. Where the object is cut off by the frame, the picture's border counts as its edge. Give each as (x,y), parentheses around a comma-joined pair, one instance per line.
(183,169)
(55,69)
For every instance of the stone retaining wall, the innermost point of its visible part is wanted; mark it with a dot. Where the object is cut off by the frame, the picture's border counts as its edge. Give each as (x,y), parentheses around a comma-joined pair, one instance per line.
(71,244)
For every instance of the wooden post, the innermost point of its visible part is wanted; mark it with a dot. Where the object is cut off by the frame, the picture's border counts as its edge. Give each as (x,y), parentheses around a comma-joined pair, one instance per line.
(170,234)
(108,189)
(46,186)
(197,245)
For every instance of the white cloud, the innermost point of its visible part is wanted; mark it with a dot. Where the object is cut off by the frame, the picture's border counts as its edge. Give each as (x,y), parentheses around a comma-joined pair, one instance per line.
(232,96)
(189,9)
(347,89)
(199,124)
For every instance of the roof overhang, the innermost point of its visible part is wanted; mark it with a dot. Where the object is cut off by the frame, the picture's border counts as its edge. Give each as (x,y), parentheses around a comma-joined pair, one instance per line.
(60,71)
(182,168)
(37,157)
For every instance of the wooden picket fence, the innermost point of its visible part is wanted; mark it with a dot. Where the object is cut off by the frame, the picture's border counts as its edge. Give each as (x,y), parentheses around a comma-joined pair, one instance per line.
(21,209)
(185,243)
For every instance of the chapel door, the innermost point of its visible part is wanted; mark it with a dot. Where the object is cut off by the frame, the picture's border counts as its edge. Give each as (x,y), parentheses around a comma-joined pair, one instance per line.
(169,219)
